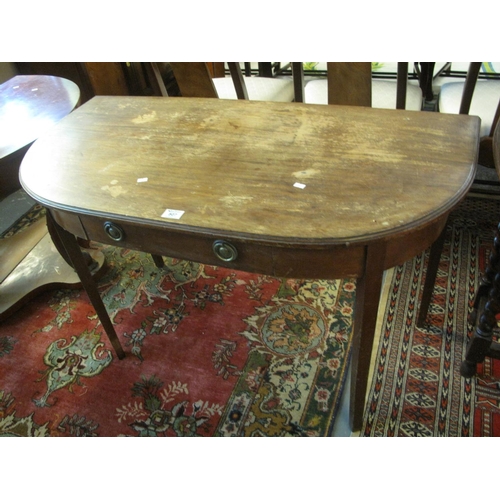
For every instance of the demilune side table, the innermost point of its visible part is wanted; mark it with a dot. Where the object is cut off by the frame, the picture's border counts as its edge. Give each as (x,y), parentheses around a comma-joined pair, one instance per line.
(283,189)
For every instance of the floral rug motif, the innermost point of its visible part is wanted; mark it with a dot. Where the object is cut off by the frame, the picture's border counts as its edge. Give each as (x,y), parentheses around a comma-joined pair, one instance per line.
(210,352)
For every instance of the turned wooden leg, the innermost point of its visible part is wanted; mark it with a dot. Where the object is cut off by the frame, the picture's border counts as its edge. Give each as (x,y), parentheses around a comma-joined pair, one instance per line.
(368,290)
(487,280)
(74,254)
(486,307)
(481,341)
(430,277)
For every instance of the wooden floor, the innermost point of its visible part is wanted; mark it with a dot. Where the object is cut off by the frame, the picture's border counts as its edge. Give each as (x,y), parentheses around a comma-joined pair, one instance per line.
(12,208)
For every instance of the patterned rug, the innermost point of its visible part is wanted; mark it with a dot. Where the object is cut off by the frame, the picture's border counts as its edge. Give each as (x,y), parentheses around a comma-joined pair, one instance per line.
(210,352)
(417,389)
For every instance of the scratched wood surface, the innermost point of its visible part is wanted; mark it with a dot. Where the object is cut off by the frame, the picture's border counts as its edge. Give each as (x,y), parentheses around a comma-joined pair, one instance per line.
(233,165)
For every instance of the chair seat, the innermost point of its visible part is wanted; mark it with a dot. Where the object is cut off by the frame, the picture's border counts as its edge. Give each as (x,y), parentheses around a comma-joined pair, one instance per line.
(259,88)
(383,94)
(484,101)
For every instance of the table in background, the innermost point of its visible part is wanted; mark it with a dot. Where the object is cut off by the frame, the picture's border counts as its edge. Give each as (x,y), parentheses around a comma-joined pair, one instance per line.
(29,106)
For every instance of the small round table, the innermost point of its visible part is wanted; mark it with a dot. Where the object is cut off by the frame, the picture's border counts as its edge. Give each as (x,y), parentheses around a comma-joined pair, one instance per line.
(29,106)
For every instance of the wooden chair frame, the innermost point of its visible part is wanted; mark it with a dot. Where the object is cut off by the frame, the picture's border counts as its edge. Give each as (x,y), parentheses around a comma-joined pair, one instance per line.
(351,83)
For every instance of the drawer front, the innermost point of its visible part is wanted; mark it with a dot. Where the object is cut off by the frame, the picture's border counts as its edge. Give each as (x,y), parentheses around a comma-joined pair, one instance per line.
(236,253)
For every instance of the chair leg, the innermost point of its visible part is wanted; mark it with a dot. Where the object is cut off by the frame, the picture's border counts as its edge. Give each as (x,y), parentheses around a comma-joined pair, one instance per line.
(430,278)
(487,280)
(481,341)
(486,307)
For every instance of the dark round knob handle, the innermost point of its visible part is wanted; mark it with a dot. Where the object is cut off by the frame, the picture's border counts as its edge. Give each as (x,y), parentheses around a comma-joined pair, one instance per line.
(114,231)
(225,251)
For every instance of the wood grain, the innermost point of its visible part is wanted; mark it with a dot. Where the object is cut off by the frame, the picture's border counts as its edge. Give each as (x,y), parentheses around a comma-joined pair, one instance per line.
(299,190)
(232,166)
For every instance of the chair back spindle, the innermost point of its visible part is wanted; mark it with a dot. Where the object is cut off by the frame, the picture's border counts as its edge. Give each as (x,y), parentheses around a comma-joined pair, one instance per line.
(298,81)
(470,85)
(153,74)
(401,85)
(479,97)
(195,80)
(238,80)
(496,148)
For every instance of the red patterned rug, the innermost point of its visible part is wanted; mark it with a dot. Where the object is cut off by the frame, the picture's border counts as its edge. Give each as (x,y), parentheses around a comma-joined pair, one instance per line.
(210,352)
(417,389)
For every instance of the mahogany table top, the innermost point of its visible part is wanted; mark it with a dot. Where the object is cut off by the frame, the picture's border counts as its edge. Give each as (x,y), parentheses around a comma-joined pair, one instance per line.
(268,171)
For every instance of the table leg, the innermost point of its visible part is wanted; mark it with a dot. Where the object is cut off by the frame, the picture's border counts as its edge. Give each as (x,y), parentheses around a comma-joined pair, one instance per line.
(430,277)
(74,253)
(56,240)
(368,290)
(158,260)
